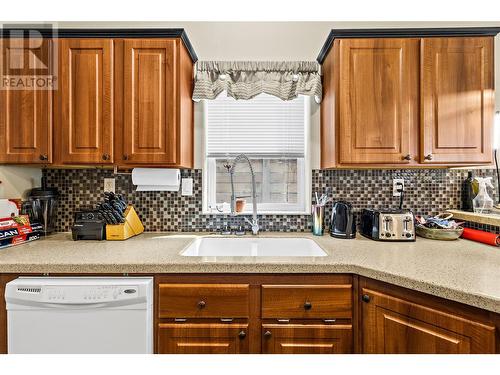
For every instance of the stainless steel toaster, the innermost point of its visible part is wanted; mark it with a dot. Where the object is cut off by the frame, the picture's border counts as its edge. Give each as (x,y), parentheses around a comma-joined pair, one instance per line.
(388,225)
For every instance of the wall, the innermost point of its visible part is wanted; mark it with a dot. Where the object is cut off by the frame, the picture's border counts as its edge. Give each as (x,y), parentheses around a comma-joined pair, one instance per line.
(247,41)
(16,181)
(429,191)
(272,41)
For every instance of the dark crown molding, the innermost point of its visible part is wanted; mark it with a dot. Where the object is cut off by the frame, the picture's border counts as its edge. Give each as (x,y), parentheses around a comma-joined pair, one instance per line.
(403,33)
(112,33)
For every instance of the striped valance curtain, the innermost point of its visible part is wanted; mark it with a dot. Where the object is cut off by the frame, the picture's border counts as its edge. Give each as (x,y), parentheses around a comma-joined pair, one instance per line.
(247,79)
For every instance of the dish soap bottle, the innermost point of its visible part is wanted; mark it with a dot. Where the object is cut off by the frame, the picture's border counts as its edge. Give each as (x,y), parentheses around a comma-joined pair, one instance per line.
(467,193)
(483,204)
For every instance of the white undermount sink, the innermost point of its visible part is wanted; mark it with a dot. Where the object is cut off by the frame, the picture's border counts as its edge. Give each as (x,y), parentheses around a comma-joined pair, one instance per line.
(253,247)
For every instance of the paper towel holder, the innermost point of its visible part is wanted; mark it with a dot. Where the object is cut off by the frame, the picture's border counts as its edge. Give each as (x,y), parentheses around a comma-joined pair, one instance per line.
(115,171)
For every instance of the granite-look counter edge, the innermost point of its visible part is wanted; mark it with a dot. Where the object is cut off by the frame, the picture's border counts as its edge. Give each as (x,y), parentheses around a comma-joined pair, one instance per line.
(461,270)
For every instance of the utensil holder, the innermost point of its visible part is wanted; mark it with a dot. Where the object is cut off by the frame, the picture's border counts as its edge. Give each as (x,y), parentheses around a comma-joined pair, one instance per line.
(318,216)
(131,227)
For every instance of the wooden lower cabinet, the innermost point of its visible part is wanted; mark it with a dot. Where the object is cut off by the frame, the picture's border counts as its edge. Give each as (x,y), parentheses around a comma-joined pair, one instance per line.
(198,338)
(306,339)
(393,325)
(305,314)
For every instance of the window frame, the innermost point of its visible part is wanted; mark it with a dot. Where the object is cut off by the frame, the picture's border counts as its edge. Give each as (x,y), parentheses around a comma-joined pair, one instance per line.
(304,172)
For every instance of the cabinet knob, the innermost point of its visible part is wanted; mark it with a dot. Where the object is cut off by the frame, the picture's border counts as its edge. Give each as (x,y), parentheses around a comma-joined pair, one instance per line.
(105,156)
(407,157)
(201,304)
(267,334)
(365,298)
(428,157)
(242,334)
(125,157)
(308,306)
(44,157)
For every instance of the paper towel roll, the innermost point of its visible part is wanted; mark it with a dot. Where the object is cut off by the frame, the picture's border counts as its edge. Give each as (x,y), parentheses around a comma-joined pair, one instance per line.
(156,179)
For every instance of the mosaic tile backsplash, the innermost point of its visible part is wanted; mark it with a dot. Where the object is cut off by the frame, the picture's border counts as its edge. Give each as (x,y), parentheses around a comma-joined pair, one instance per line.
(428,191)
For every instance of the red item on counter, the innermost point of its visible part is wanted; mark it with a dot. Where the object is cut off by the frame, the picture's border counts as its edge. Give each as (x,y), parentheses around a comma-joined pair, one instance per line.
(481,236)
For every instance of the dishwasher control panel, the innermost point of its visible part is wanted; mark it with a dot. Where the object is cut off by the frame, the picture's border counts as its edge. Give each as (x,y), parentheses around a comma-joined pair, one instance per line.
(75,290)
(88,294)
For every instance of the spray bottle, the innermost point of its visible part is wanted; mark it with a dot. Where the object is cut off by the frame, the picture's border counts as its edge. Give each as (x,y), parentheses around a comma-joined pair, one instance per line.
(483,204)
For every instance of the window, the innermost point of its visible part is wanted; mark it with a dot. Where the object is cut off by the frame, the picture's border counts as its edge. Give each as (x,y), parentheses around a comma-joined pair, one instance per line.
(272,133)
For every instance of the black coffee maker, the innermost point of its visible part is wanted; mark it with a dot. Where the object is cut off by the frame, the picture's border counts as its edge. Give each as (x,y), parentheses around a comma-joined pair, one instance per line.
(342,221)
(41,206)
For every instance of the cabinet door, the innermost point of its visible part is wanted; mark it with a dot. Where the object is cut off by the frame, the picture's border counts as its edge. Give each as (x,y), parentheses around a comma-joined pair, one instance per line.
(306,339)
(200,338)
(25,114)
(457,99)
(85,105)
(395,326)
(378,100)
(149,131)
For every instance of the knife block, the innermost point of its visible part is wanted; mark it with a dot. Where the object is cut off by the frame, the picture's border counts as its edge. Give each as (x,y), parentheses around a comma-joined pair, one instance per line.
(131,227)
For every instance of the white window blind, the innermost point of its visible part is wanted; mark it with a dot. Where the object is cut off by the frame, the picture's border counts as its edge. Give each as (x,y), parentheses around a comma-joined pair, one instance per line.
(264,126)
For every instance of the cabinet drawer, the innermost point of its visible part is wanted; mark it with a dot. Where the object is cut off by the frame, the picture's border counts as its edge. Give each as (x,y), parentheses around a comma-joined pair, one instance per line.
(202,338)
(306,339)
(203,300)
(307,301)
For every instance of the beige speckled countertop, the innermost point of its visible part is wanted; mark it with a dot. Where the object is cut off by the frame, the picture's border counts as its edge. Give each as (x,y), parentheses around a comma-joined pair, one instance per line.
(461,270)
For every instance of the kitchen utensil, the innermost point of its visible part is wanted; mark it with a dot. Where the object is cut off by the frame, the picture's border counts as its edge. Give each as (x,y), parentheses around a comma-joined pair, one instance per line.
(43,206)
(442,234)
(388,225)
(481,236)
(240,205)
(89,225)
(318,214)
(342,223)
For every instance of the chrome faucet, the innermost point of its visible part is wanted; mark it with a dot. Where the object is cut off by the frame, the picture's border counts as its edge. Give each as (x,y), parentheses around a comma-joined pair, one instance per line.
(230,168)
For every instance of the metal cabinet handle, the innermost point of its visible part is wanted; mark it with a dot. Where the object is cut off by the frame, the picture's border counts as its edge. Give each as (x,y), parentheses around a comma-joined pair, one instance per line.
(428,157)
(201,304)
(308,306)
(44,157)
(105,156)
(242,334)
(125,157)
(407,157)
(365,298)
(267,334)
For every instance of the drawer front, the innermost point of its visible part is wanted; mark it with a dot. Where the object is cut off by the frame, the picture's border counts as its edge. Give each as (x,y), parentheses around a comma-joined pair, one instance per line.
(203,300)
(306,339)
(307,301)
(202,338)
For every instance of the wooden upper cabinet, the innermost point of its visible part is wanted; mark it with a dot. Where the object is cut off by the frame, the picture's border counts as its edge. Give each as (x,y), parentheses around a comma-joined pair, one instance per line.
(156,109)
(378,103)
(84,109)
(150,102)
(25,114)
(457,99)
(395,326)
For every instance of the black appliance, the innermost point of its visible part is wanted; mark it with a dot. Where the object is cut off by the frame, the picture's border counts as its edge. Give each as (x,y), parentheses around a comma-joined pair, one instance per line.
(342,221)
(388,225)
(89,225)
(41,206)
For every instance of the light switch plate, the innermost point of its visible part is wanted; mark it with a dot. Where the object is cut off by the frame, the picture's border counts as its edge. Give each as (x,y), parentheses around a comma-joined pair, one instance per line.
(187,186)
(395,186)
(109,185)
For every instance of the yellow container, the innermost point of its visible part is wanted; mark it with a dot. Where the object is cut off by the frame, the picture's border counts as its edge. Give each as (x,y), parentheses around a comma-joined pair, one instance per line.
(131,227)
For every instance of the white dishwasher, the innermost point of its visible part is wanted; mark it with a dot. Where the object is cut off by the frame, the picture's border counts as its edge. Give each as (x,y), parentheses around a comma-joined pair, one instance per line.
(80,315)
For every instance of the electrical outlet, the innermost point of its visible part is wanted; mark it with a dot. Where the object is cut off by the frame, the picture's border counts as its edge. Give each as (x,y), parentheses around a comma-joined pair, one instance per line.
(109,185)
(397,184)
(187,186)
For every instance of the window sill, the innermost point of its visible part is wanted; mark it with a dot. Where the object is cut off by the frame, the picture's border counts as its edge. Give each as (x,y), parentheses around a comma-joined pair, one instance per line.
(259,213)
